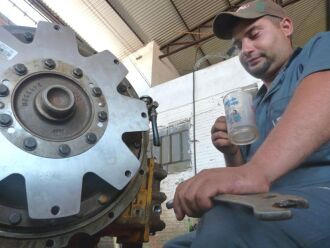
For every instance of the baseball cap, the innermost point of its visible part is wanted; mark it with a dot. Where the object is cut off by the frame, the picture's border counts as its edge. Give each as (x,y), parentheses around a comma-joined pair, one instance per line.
(225,22)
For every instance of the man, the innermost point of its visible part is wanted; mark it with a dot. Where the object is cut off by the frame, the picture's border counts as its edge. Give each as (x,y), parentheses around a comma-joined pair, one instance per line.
(292,154)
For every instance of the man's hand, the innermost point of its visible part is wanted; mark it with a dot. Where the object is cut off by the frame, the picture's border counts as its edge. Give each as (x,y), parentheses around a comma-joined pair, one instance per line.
(220,139)
(194,196)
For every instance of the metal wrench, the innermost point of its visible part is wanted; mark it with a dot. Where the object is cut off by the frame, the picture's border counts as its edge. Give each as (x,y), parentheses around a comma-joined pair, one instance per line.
(266,206)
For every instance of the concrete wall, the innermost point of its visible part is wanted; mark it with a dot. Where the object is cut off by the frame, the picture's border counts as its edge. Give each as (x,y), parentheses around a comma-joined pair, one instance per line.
(175,104)
(147,70)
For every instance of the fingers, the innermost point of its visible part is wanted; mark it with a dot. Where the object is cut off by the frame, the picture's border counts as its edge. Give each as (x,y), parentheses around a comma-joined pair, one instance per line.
(219,125)
(192,197)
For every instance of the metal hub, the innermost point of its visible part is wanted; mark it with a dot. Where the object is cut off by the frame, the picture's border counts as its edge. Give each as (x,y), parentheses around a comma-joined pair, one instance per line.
(67,138)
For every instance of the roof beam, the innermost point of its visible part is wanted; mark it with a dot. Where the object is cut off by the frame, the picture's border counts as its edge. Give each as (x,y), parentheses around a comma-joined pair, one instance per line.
(180,43)
(124,20)
(204,28)
(191,34)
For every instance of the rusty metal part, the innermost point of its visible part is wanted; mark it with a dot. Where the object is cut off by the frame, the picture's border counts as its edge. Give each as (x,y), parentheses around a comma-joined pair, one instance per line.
(266,206)
(142,217)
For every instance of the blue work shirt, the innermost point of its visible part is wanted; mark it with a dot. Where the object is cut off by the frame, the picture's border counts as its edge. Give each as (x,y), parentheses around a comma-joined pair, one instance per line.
(270,106)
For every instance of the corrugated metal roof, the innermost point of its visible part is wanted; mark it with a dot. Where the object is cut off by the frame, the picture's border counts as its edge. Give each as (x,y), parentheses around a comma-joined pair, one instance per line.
(160,21)
(196,12)
(156,19)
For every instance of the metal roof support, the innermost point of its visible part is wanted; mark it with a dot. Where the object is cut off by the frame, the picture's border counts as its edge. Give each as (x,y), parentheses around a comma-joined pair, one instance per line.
(191,34)
(123,19)
(208,26)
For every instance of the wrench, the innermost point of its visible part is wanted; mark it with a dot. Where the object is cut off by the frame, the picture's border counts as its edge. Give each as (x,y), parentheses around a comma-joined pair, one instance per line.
(266,206)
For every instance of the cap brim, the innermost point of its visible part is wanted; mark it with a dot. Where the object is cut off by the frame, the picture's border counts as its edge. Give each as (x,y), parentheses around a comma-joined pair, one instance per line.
(225,22)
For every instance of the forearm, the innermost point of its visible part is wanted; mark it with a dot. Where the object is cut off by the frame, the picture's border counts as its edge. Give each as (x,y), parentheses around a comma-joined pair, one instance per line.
(302,129)
(235,159)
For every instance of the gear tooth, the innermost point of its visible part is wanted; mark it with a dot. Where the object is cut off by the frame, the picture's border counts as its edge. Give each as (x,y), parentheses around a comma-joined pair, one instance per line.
(120,177)
(56,41)
(101,64)
(134,120)
(60,199)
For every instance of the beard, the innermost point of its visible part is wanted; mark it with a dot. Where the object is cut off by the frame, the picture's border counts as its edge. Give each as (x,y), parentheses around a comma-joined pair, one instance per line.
(260,70)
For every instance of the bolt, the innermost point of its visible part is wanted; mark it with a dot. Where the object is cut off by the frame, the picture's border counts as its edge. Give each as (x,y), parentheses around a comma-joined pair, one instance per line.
(5,120)
(20,69)
(91,138)
(50,64)
(103,199)
(137,145)
(64,150)
(97,92)
(103,116)
(77,72)
(4,91)
(30,143)
(28,36)
(15,218)
(122,88)
(2,105)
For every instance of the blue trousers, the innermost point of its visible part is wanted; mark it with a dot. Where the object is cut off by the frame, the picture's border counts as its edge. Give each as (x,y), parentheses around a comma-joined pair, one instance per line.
(234,226)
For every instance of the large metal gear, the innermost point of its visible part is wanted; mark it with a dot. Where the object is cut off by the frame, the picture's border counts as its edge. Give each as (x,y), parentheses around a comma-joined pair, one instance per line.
(68,137)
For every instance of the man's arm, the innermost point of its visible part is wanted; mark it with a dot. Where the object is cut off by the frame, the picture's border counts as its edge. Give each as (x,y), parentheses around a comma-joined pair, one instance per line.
(304,127)
(220,140)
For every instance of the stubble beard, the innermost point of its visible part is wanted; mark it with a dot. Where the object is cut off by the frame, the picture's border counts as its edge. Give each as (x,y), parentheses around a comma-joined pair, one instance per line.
(260,70)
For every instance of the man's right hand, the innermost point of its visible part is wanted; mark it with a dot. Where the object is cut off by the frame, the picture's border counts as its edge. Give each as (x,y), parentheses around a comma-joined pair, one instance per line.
(220,139)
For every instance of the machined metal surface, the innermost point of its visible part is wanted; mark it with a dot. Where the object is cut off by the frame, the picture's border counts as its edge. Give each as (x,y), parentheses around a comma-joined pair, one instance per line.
(63,123)
(265,206)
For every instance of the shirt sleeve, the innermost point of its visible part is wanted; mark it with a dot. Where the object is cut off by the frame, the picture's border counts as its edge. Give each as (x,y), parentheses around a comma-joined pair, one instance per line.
(316,55)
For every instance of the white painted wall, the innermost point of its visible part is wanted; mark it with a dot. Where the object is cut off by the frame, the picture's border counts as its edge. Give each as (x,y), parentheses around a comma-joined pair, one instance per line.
(175,103)
(147,70)
(212,83)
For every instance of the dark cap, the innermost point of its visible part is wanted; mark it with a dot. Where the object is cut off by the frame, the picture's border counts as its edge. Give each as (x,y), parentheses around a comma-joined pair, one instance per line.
(225,22)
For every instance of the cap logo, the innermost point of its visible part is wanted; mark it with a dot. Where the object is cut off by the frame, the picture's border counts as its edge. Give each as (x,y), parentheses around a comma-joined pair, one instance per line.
(244,6)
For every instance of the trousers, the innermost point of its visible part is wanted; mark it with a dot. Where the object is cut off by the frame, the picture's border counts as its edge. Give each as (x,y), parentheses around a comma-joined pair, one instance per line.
(234,226)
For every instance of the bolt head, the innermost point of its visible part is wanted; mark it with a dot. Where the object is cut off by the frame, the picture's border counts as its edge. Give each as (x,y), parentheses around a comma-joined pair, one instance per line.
(64,150)
(30,144)
(50,64)
(91,138)
(97,91)
(137,145)
(122,88)
(14,218)
(20,69)
(28,36)
(4,91)
(103,116)
(5,120)
(103,199)
(77,72)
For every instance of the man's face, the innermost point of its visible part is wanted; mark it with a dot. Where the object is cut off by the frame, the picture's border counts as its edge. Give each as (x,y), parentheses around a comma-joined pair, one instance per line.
(263,46)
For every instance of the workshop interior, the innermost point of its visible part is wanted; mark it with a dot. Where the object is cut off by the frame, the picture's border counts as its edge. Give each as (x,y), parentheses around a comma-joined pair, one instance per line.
(106,106)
